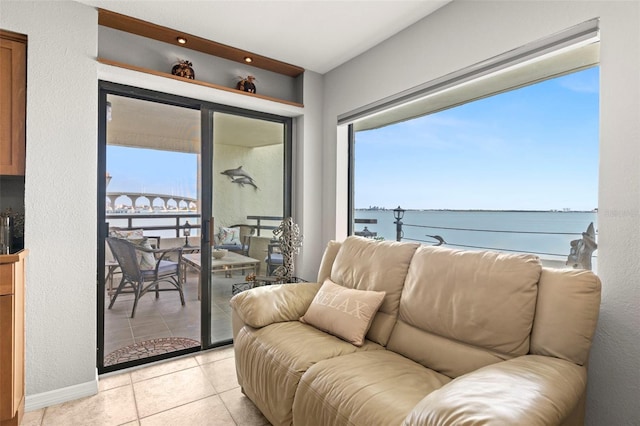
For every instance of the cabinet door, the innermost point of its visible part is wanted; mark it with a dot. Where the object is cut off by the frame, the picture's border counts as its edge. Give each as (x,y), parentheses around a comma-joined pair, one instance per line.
(7,406)
(13,85)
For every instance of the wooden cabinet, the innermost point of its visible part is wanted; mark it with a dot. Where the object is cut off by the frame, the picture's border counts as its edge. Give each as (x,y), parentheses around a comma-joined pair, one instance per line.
(13,89)
(12,349)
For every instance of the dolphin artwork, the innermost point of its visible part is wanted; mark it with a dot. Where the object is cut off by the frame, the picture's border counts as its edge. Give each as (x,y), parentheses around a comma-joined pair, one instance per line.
(242,181)
(235,173)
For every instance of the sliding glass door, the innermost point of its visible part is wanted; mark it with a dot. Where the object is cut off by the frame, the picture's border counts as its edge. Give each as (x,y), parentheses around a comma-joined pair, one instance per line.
(149,302)
(194,190)
(248,194)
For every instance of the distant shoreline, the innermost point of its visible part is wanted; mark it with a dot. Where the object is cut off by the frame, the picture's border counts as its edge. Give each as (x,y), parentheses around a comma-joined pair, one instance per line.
(481,210)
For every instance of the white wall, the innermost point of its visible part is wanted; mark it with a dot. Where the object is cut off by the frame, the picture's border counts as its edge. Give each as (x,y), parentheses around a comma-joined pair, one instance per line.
(232,202)
(61,209)
(60,191)
(307,177)
(466,32)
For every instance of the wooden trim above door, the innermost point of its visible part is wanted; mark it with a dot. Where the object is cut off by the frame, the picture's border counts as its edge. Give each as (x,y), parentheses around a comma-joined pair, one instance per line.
(142,28)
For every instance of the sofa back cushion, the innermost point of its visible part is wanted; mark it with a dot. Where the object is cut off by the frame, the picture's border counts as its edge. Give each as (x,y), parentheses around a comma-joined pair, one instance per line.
(461,310)
(566,314)
(366,264)
(328,258)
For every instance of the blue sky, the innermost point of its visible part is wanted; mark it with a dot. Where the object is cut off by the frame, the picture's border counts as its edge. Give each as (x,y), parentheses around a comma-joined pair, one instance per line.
(535,148)
(152,171)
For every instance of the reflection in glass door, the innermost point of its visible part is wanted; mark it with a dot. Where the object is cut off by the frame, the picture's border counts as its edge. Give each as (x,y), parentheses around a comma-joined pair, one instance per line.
(151,297)
(248,188)
(172,165)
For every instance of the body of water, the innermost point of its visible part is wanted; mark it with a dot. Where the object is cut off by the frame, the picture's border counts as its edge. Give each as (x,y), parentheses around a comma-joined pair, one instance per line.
(541,233)
(546,234)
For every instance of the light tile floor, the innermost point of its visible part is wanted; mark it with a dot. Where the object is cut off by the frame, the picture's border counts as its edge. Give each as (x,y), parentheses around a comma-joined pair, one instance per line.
(196,390)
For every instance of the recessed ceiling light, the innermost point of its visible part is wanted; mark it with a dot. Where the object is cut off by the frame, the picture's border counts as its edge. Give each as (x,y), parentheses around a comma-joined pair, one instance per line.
(182,40)
(248,59)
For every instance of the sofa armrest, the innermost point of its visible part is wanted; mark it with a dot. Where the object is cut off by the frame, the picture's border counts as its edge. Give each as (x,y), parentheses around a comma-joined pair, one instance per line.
(528,390)
(269,304)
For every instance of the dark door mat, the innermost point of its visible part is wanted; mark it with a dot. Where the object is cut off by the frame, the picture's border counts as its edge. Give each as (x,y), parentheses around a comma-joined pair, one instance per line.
(149,348)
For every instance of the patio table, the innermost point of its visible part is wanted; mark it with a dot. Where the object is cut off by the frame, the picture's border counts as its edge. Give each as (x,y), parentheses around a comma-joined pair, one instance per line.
(230,262)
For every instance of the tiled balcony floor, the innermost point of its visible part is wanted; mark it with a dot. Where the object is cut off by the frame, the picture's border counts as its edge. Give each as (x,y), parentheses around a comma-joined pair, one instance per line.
(166,317)
(198,390)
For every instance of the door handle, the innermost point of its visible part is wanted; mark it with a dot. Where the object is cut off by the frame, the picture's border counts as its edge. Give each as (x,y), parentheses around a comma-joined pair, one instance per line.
(208,231)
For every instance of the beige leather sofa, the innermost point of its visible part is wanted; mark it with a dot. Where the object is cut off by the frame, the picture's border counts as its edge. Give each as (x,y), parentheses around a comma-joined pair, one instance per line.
(461,338)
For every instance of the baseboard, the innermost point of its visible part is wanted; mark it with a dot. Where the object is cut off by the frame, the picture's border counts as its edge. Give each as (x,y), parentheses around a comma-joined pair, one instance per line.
(58,396)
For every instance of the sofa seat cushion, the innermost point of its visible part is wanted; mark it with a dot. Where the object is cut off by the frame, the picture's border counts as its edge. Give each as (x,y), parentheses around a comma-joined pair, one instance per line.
(363,388)
(271,360)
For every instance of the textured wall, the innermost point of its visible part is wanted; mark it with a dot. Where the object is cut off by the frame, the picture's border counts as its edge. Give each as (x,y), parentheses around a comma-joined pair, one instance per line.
(463,33)
(61,181)
(232,203)
(60,190)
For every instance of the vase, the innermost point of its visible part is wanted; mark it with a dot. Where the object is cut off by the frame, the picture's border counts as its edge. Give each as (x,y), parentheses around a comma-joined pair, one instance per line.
(184,69)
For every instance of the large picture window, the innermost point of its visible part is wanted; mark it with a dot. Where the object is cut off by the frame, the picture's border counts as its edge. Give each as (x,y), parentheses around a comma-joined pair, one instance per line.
(513,171)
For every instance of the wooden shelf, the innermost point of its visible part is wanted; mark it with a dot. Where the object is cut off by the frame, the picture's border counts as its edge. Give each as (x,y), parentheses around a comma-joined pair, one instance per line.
(197,82)
(142,28)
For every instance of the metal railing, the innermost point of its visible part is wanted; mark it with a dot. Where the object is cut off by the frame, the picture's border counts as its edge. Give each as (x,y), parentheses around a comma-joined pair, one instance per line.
(259,219)
(177,226)
(441,241)
(133,222)
(580,252)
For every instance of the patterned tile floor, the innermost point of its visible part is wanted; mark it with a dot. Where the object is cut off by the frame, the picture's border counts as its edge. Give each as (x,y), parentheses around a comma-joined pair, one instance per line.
(166,317)
(194,390)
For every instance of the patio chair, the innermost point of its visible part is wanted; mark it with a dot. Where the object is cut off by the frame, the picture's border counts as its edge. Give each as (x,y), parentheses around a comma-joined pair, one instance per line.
(274,258)
(244,237)
(246,231)
(143,274)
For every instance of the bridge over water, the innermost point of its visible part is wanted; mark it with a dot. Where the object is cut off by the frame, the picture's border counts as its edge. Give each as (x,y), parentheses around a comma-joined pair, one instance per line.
(181,201)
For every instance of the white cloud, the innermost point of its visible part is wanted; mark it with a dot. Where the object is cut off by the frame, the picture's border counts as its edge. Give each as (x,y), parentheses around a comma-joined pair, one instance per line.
(581,83)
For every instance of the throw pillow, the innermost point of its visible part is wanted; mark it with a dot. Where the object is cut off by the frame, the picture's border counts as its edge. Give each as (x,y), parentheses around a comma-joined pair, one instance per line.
(146,260)
(229,236)
(344,312)
(131,234)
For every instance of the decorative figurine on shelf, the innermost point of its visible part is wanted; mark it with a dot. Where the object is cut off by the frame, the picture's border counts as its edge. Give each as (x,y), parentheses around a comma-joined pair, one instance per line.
(290,239)
(246,84)
(183,69)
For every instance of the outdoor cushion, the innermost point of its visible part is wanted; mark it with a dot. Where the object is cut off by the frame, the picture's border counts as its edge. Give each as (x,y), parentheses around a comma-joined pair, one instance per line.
(276,258)
(166,267)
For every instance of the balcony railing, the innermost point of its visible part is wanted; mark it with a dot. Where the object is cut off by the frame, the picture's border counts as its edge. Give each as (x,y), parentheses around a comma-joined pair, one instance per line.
(145,221)
(578,254)
(149,222)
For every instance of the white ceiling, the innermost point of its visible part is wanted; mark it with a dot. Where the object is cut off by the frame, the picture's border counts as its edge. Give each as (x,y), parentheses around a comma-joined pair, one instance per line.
(315,35)
(143,124)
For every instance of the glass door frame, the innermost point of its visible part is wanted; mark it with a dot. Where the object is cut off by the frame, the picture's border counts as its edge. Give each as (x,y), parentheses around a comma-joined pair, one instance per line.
(207,110)
(207,151)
